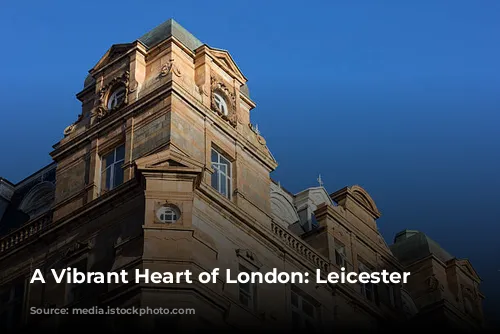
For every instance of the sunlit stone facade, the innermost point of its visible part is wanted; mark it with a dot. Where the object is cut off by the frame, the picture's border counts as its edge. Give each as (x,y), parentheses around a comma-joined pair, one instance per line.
(163,170)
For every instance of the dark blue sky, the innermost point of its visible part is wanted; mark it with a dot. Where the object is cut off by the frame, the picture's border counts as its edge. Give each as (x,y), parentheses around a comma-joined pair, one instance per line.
(400,97)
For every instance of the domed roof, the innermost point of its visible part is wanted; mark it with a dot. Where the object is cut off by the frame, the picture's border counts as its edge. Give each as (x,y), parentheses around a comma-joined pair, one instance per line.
(410,246)
(89,80)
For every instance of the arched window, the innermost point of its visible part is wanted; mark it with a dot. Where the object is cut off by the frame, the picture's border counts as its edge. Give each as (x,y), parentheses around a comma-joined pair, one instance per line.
(116,98)
(221,104)
(39,199)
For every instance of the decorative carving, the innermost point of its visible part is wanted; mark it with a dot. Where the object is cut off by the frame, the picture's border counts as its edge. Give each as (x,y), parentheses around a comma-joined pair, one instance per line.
(101,109)
(133,87)
(218,86)
(169,68)
(203,91)
(69,129)
(470,293)
(249,256)
(77,248)
(434,284)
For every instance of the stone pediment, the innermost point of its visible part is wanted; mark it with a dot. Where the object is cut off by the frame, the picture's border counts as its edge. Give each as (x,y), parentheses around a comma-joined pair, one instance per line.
(466,266)
(360,196)
(169,160)
(226,62)
(114,52)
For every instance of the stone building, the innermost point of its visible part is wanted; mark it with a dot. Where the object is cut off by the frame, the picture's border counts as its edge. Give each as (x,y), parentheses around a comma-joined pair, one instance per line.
(163,170)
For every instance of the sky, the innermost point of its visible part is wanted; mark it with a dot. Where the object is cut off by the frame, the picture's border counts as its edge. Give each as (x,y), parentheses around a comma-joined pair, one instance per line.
(399,97)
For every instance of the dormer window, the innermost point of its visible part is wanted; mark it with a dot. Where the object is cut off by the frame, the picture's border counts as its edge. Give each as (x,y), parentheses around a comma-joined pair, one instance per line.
(116,98)
(220,103)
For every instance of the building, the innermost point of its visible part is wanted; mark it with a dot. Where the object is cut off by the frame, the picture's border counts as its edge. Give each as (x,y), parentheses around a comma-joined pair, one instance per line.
(163,170)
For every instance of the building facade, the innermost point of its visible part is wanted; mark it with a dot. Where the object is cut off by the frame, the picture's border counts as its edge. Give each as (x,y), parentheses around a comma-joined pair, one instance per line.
(163,170)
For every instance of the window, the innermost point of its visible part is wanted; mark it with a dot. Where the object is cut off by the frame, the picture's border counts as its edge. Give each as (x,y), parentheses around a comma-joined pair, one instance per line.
(111,168)
(304,312)
(247,291)
(367,289)
(116,98)
(11,305)
(221,178)
(167,214)
(221,104)
(386,294)
(76,291)
(340,254)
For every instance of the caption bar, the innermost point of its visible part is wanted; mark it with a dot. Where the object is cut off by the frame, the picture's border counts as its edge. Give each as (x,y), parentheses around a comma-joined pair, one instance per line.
(72,275)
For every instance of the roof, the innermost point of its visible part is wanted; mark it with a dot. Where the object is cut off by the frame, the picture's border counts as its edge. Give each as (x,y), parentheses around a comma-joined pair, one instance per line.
(168,29)
(164,31)
(410,246)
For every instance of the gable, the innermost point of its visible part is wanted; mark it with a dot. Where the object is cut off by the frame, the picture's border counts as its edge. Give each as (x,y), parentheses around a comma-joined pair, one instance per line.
(113,53)
(226,62)
(467,268)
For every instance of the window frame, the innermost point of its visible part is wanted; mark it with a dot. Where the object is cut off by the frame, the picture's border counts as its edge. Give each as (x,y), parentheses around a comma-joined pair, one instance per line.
(302,315)
(368,293)
(110,168)
(14,303)
(113,97)
(221,103)
(71,287)
(251,294)
(340,253)
(168,210)
(220,174)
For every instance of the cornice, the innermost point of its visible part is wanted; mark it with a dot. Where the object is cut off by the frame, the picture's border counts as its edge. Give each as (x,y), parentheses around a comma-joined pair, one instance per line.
(110,121)
(247,100)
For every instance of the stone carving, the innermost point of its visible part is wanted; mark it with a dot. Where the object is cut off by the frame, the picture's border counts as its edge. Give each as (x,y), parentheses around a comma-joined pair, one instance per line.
(434,284)
(77,248)
(217,86)
(169,68)
(470,293)
(408,306)
(69,129)
(249,256)
(101,109)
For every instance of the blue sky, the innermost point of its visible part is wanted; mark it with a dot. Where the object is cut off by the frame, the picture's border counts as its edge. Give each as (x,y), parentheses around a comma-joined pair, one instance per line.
(400,97)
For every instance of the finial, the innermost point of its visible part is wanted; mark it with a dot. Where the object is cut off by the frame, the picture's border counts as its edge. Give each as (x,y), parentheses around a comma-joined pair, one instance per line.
(320,181)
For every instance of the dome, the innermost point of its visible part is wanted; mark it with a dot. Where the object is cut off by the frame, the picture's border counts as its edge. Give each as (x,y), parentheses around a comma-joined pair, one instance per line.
(411,245)
(89,80)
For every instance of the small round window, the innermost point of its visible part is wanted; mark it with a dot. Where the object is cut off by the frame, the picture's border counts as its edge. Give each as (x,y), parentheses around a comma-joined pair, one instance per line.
(220,102)
(116,98)
(168,214)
